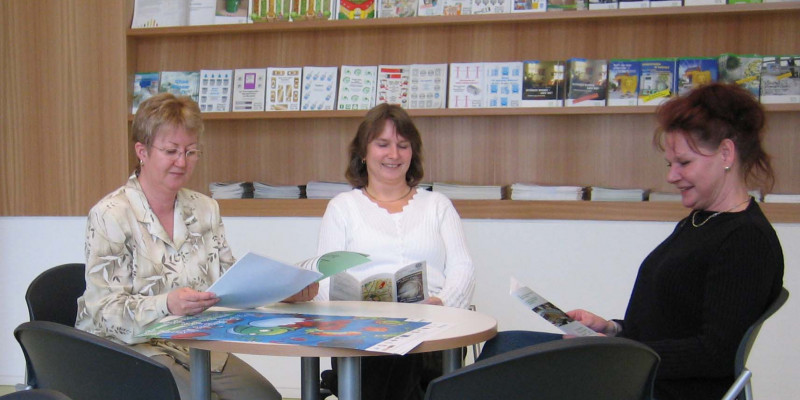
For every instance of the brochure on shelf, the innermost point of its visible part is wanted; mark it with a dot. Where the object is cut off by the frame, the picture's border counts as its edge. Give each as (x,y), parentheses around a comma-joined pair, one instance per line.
(215,90)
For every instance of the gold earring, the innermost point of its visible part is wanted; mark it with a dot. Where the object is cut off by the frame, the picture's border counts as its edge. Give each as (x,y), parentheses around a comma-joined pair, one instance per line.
(727,168)
(363,160)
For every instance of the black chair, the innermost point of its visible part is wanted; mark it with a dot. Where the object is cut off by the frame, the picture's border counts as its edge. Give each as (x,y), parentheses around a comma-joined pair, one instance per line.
(84,366)
(742,383)
(53,295)
(597,368)
(35,394)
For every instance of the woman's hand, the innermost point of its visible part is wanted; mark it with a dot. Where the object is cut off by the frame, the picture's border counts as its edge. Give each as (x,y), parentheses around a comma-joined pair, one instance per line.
(594,322)
(432,300)
(186,301)
(307,294)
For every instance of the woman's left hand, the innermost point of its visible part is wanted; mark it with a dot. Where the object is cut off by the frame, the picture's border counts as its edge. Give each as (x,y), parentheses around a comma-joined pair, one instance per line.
(433,300)
(307,294)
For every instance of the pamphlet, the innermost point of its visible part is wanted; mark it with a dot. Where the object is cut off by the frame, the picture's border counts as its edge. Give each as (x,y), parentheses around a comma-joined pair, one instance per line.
(255,280)
(407,285)
(548,311)
(380,334)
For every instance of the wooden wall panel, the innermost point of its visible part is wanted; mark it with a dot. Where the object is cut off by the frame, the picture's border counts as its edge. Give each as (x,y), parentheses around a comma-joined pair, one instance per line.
(63,105)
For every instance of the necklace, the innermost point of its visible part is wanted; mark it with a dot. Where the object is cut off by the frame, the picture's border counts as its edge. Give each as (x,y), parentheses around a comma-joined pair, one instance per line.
(387,201)
(694,214)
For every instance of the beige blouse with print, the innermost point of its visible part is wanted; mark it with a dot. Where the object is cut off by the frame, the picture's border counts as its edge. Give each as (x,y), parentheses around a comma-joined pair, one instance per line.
(132,264)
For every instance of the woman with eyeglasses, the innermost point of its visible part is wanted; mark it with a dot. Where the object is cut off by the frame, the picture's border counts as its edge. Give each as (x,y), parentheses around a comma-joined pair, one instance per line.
(153,247)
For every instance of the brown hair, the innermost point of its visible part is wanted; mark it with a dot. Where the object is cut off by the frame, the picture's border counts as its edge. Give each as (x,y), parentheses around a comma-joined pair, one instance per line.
(369,129)
(714,112)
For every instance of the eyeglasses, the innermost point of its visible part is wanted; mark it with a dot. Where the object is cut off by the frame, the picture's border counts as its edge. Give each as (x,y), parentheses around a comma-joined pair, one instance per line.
(174,154)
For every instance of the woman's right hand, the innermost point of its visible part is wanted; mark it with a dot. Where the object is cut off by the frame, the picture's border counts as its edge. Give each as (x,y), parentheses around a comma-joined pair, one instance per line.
(594,322)
(186,301)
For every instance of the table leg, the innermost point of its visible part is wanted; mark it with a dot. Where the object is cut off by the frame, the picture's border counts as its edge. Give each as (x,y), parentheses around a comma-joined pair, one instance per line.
(201,373)
(452,360)
(349,378)
(309,378)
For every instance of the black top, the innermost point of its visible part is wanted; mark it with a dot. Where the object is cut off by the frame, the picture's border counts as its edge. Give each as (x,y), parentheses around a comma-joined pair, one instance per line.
(698,292)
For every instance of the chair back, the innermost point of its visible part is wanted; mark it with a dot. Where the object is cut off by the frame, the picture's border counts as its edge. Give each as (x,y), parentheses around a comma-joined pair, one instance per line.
(35,394)
(84,366)
(750,335)
(53,295)
(597,368)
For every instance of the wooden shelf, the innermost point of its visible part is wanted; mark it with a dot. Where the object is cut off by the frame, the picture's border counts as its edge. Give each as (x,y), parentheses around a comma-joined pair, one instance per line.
(510,209)
(460,112)
(461,20)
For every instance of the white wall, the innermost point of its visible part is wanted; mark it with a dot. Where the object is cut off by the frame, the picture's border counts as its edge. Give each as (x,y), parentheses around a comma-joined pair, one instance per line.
(587,264)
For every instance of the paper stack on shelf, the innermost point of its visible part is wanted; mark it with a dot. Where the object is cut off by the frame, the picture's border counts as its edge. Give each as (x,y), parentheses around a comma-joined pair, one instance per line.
(664,196)
(325,190)
(606,194)
(265,191)
(231,190)
(781,198)
(468,192)
(522,191)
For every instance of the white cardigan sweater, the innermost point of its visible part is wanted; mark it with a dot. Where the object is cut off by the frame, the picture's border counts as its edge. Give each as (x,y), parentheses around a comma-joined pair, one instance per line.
(428,229)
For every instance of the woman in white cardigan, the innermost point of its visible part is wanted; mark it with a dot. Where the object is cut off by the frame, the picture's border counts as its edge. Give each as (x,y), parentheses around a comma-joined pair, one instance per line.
(393,221)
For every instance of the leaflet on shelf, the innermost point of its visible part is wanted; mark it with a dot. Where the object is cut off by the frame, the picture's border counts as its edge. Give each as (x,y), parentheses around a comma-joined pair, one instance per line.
(521,6)
(542,83)
(303,10)
(741,69)
(634,4)
(319,88)
(393,84)
(657,81)
(215,90)
(780,79)
(145,85)
(396,8)
(283,88)
(249,89)
(355,9)
(466,85)
(457,7)
(503,87)
(357,87)
(603,4)
(427,8)
(586,82)
(623,82)
(488,7)
(427,86)
(271,11)
(180,83)
(693,72)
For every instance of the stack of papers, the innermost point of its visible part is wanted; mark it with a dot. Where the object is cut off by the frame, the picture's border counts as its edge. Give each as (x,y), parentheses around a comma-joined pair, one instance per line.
(326,190)
(521,191)
(606,194)
(265,191)
(231,190)
(468,192)
(664,196)
(781,198)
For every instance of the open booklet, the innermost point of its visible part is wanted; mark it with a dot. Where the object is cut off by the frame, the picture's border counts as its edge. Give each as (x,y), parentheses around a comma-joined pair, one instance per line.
(548,311)
(408,285)
(255,280)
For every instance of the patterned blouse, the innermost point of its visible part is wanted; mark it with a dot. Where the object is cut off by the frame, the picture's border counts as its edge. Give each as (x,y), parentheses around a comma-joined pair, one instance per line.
(132,264)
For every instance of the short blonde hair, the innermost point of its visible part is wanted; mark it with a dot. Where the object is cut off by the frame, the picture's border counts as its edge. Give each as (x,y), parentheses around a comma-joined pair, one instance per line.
(165,109)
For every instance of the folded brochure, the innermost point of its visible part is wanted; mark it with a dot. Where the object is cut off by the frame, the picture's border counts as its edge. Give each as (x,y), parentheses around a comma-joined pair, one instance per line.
(548,311)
